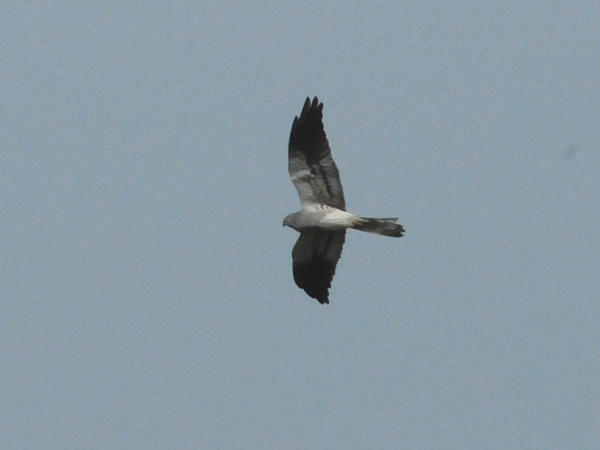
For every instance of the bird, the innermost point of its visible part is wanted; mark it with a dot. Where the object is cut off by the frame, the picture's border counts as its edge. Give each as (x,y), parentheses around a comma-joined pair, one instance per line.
(323,220)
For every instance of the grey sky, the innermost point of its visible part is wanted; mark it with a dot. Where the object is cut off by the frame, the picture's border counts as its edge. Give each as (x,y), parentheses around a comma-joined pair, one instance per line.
(146,291)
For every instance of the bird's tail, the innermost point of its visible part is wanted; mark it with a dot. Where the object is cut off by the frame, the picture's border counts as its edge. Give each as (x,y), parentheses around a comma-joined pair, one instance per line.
(384,227)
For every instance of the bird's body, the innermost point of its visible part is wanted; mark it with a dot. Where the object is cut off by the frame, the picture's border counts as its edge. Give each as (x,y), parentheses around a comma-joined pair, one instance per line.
(320,216)
(323,219)
(326,217)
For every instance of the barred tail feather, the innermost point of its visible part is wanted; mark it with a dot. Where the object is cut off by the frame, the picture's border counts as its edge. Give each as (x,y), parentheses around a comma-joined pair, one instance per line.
(384,227)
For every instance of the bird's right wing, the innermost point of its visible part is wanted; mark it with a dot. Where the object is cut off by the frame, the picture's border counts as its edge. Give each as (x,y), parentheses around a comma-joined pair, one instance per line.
(315,257)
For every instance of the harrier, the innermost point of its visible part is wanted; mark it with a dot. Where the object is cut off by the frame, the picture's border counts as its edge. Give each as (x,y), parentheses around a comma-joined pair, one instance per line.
(323,219)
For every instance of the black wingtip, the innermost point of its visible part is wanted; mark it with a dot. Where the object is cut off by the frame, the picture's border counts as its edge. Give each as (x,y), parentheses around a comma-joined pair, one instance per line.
(308,135)
(315,277)
(308,106)
(305,109)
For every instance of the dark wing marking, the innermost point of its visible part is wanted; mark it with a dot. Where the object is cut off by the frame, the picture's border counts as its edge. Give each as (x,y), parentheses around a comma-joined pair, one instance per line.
(311,166)
(315,257)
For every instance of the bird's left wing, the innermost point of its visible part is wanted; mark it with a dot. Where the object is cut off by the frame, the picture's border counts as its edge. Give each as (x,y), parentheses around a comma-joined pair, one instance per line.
(311,166)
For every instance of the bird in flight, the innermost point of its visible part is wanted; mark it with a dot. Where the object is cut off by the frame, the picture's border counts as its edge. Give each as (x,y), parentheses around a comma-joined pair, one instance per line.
(323,219)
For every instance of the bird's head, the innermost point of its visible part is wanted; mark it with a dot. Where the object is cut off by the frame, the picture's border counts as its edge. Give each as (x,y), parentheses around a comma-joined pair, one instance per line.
(286,222)
(289,221)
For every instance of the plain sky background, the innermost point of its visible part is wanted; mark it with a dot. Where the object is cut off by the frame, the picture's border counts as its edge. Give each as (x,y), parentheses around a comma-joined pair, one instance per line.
(146,292)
